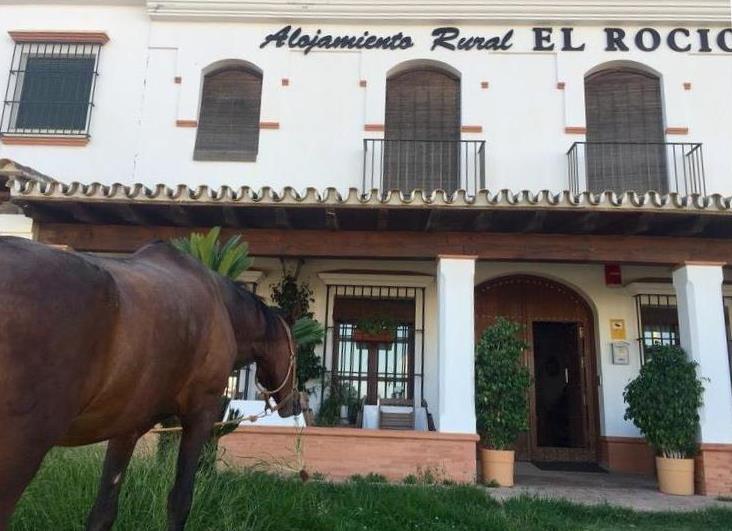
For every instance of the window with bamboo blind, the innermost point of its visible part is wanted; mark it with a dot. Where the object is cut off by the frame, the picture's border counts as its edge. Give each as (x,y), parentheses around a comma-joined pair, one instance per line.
(228,123)
(422,130)
(625,132)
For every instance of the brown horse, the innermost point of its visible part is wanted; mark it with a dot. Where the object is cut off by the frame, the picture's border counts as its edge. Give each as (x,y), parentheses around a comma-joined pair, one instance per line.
(95,349)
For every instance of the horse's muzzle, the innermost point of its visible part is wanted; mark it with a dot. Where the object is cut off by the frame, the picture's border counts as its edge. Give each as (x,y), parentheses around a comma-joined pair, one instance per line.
(291,406)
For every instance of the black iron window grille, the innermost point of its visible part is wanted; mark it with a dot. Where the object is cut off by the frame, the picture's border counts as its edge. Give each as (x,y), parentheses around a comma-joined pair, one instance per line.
(392,369)
(50,89)
(658,321)
(375,370)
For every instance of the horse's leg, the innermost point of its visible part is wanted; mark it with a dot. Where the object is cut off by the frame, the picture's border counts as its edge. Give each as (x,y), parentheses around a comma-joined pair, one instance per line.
(119,453)
(20,459)
(197,429)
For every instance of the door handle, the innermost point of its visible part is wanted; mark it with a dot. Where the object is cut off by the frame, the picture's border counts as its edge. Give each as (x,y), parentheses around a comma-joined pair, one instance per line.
(566,376)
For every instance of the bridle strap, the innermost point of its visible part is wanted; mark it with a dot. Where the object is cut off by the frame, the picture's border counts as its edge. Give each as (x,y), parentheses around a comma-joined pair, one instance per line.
(290,375)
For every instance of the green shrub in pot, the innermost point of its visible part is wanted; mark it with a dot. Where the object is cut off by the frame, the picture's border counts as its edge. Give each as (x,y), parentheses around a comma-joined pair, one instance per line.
(501,384)
(501,403)
(664,401)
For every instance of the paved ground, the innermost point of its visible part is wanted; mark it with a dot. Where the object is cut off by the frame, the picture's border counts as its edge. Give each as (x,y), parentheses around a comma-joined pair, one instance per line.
(624,490)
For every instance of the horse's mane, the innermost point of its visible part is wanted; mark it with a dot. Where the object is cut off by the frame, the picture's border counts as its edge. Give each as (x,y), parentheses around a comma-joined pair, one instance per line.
(271,315)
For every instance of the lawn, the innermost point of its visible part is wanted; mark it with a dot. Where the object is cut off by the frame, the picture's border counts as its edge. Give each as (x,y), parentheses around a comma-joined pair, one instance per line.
(64,489)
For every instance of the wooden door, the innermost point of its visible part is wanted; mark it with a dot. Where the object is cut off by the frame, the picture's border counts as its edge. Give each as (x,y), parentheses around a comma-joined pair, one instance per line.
(560,400)
(534,301)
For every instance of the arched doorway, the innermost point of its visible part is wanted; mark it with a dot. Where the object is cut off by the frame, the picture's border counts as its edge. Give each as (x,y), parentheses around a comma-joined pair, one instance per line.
(559,329)
(625,131)
(422,129)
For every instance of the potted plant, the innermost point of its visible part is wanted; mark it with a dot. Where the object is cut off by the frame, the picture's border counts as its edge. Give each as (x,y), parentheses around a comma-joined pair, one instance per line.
(663,402)
(340,405)
(375,330)
(501,406)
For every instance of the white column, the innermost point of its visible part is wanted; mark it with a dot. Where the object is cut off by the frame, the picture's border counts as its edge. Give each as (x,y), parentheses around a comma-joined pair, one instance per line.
(455,344)
(704,338)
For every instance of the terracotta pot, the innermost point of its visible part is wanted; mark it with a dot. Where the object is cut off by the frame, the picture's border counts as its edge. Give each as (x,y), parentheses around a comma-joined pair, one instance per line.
(497,465)
(675,476)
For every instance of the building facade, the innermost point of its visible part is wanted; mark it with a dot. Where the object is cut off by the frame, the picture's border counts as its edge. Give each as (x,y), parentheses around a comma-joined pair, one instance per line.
(433,164)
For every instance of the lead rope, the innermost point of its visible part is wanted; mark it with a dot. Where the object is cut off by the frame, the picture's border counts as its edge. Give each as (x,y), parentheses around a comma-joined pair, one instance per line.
(268,410)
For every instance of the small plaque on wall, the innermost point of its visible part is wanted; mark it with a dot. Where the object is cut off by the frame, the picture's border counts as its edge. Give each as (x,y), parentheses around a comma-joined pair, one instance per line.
(621,353)
(617,329)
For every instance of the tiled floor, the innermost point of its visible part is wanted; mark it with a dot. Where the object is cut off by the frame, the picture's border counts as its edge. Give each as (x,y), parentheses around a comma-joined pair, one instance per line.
(625,490)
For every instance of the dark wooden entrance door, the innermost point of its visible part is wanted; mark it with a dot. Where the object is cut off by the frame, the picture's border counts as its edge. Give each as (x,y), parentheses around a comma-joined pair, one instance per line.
(560,419)
(558,327)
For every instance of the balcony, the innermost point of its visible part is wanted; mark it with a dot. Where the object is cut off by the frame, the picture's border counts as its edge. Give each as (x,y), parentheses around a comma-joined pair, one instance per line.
(428,165)
(664,167)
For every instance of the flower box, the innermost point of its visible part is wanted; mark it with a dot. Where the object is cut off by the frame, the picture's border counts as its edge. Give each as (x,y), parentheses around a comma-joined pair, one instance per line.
(383,336)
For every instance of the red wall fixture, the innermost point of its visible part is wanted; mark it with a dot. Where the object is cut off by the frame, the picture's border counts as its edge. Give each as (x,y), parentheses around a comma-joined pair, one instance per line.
(613,275)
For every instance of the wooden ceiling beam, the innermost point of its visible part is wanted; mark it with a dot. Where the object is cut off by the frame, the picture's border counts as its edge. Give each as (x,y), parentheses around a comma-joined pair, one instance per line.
(282,218)
(84,213)
(178,215)
(331,219)
(651,250)
(131,215)
(382,219)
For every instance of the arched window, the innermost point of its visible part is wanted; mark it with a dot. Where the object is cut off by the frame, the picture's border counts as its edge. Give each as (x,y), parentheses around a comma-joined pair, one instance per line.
(422,130)
(625,131)
(228,123)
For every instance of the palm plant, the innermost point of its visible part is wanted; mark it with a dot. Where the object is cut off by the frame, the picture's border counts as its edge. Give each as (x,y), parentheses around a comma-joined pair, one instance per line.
(230,259)
(307,332)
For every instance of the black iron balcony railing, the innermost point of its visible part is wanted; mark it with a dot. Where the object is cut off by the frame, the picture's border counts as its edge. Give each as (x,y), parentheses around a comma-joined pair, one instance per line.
(428,165)
(636,166)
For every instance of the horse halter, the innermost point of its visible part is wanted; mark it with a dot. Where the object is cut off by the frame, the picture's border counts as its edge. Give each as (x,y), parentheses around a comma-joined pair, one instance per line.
(290,375)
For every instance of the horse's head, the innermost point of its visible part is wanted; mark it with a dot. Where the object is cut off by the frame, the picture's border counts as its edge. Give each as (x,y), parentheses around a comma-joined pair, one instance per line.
(276,358)
(263,337)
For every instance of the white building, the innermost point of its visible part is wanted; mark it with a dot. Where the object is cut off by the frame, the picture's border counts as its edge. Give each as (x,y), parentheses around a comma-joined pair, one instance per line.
(291,121)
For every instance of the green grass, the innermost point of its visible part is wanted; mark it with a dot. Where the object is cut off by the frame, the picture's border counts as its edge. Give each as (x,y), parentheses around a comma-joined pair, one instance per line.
(64,489)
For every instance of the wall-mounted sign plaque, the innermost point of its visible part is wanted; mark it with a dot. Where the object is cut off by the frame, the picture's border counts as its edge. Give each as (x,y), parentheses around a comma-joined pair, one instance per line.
(543,39)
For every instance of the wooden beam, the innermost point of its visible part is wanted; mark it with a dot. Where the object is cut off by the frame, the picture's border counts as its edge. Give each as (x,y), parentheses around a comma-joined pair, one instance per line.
(230,217)
(331,219)
(83,213)
(282,219)
(131,215)
(412,245)
(178,215)
(536,222)
(382,219)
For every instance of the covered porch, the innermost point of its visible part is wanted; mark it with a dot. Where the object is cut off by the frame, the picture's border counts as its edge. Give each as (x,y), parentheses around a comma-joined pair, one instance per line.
(425,260)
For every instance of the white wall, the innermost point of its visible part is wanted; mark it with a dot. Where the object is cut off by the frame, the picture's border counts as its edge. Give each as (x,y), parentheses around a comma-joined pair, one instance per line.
(16,225)
(323,111)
